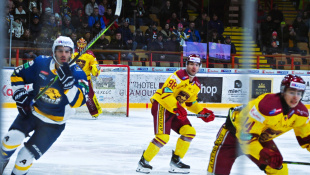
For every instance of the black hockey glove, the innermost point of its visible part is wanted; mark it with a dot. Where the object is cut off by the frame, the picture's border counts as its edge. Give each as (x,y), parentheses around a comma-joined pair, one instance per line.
(23,101)
(65,76)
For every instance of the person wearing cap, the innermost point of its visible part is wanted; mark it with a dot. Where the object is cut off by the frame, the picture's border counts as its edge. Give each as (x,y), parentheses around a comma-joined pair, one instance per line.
(65,10)
(67,27)
(35,27)
(169,104)
(301,30)
(252,128)
(181,36)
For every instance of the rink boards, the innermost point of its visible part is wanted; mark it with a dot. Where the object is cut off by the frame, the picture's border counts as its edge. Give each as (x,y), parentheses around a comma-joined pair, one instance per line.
(220,88)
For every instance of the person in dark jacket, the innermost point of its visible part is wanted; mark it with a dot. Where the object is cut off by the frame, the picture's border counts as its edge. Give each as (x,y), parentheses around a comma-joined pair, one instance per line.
(217,24)
(126,34)
(157,45)
(118,44)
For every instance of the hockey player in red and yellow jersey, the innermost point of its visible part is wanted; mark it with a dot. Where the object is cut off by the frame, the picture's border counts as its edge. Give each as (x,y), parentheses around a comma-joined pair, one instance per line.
(90,66)
(254,127)
(168,109)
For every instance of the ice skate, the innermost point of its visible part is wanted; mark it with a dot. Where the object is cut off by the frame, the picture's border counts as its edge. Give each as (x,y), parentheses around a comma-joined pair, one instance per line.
(3,164)
(176,166)
(144,166)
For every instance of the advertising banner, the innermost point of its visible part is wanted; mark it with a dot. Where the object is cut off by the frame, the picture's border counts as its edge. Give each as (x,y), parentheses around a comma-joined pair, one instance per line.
(211,89)
(259,86)
(235,89)
(219,51)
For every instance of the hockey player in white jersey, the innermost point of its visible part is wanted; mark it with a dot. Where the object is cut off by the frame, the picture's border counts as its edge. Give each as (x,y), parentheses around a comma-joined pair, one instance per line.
(47,117)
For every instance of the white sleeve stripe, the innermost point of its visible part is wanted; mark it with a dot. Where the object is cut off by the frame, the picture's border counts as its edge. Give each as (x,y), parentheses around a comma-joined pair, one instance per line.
(14,88)
(72,93)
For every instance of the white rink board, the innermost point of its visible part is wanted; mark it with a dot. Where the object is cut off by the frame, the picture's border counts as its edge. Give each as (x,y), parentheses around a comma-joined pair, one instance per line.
(144,84)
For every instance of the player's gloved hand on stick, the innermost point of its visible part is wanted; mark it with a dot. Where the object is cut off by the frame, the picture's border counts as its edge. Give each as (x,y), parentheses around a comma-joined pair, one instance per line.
(181,112)
(65,76)
(206,111)
(23,101)
(271,158)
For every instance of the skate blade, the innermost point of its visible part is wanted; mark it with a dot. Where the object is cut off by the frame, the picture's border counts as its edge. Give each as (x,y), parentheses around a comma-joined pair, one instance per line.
(143,170)
(179,171)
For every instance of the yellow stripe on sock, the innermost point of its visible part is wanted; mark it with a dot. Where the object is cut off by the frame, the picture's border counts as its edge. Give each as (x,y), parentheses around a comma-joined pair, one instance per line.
(9,146)
(22,168)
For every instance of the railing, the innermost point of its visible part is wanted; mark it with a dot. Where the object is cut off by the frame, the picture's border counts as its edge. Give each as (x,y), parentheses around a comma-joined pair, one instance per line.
(146,58)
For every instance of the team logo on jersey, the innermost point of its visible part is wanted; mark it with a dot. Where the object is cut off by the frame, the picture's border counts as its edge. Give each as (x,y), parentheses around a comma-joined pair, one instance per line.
(268,134)
(185,77)
(274,111)
(51,96)
(44,72)
(182,97)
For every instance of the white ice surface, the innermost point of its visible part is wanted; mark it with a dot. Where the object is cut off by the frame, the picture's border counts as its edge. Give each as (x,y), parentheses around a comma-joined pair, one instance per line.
(113,145)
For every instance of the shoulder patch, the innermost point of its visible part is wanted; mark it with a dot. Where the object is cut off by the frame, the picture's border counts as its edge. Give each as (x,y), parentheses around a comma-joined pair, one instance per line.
(254,113)
(301,110)
(270,105)
(182,74)
(176,78)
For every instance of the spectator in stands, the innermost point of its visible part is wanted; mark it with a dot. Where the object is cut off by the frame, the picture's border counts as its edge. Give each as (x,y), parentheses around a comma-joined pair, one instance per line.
(127,35)
(95,17)
(67,27)
(261,16)
(35,27)
(89,8)
(21,2)
(174,46)
(65,10)
(108,18)
(56,35)
(142,15)
(306,18)
(227,40)
(118,44)
(88,36)
(185,22)
(103,5)
(276,15)
(58,21)
(165,13)
(151,32)
(78,18)
(73,37)
(34,12)
(267,28)
(81,30)
(44,41)
(140,39)
(217,24)
(301,30)
(8,18)
(96,28)
(215,37)
(102,43)
(21,14)
(166,32)
(52,4)
(181,10)
(157,45)
(75,5)
(18,29)
(289,40)
(275,39)
(32,3)
(51,25)
(181,36)
(173,21)
(46,15)
(201,24)
(193,33)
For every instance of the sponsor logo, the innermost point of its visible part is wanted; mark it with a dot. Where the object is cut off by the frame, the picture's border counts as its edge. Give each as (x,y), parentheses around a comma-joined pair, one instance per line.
(240,71)
(308,72)
(238,84)
(225,70)
(213,70)
(268,72)
(291,113)
(202,70)
(282,72)
(274,111)
(302,112)
(298,72)
(208,89)
(171,69)
(44,73)
(253,71)
(256,115)
(157,69)
(31,63)
(142,68)
(42,76)
(299,86)
(184,78)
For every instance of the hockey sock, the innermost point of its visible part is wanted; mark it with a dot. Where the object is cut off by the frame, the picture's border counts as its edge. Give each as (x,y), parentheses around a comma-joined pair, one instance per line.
(23,162)
(187,134)
(159,141)
(10,143)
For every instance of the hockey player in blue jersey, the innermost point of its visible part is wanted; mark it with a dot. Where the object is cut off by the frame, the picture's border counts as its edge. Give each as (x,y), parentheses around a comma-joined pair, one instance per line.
(47,117)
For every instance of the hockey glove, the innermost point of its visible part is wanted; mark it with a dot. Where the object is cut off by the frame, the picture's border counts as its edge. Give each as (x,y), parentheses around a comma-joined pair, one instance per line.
(181,112)
(22,99)
(95,70)
(271,158)
(206,111)
(65,76)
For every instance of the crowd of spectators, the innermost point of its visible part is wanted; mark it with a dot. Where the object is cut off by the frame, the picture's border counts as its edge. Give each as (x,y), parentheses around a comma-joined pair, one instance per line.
(37,23)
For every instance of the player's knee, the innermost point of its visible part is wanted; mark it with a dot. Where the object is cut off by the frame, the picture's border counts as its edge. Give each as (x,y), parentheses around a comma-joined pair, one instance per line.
(12,140)
(23,161)
(282,171)
(161,140)
(187,132)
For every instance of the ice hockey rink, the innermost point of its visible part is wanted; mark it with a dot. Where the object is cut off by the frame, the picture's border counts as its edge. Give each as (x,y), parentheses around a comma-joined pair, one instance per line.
(113,145)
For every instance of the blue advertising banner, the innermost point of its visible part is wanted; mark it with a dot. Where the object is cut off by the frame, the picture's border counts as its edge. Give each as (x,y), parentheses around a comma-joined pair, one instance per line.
(219,51)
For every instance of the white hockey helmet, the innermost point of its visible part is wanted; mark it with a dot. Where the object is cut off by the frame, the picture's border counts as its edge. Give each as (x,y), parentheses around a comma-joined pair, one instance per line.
(193,58)
(63,41)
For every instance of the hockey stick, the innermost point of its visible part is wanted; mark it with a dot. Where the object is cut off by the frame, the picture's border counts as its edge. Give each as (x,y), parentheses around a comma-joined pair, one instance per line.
(207,115)
(297,163)
(117,13)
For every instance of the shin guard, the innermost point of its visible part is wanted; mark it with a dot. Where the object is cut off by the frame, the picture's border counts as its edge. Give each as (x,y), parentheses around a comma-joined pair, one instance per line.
(10,143)
(187,134)
(23,162)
